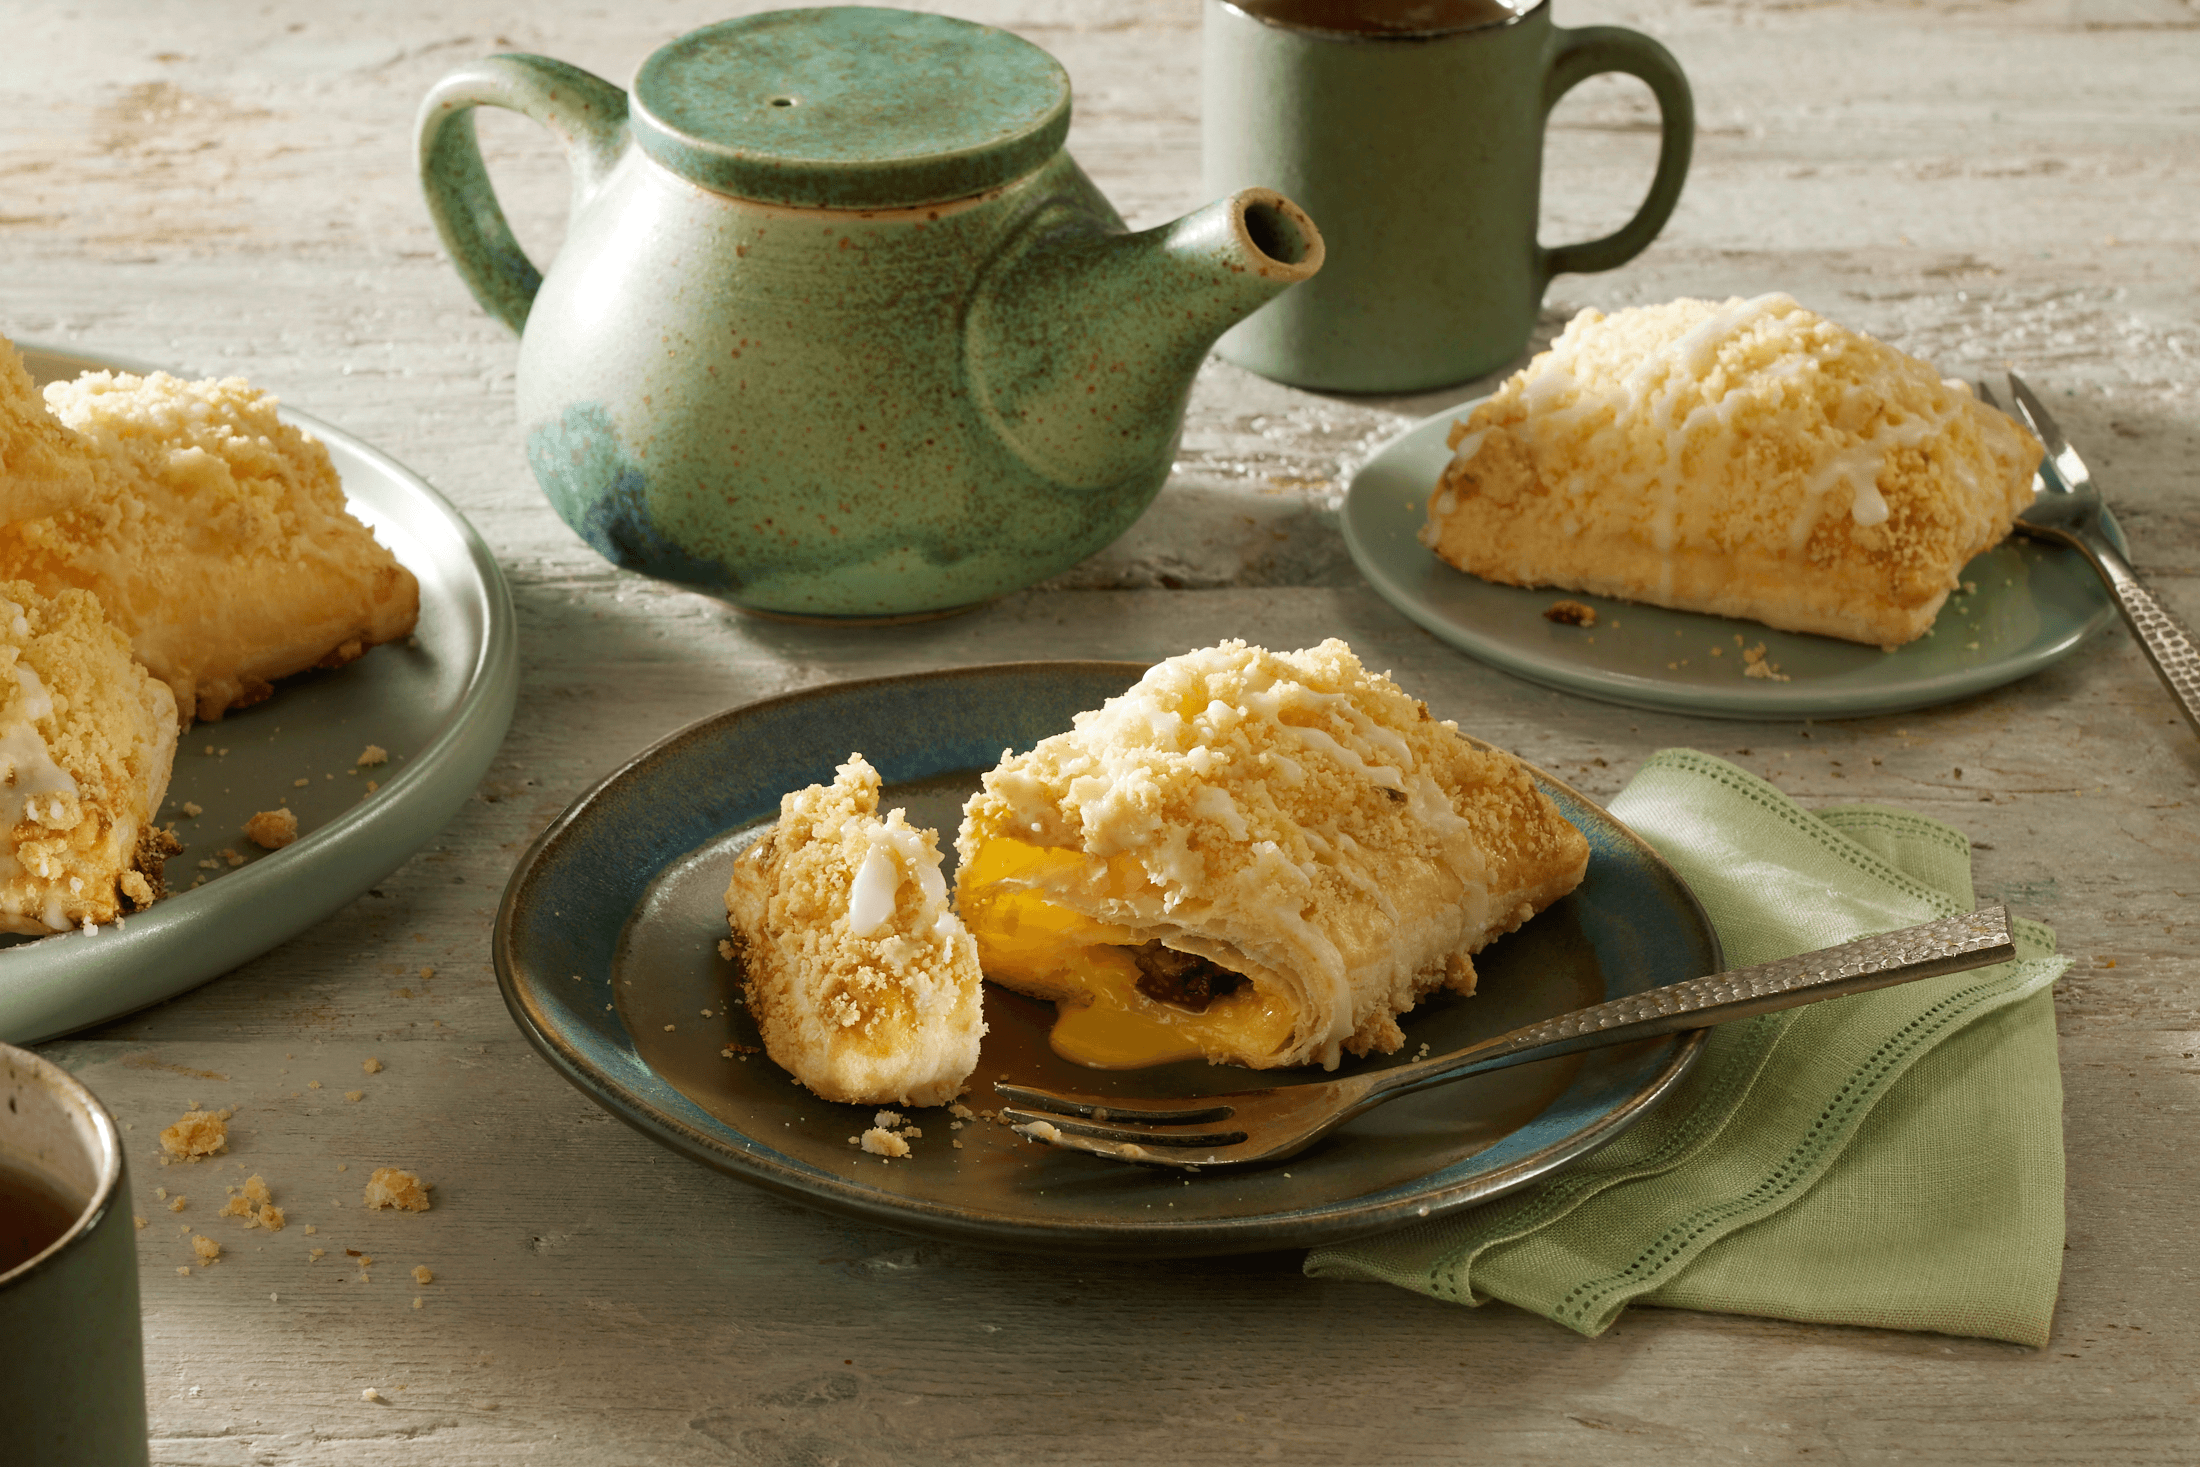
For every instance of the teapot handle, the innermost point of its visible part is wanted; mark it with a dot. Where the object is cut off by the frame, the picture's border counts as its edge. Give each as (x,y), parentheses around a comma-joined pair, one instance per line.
(585,113)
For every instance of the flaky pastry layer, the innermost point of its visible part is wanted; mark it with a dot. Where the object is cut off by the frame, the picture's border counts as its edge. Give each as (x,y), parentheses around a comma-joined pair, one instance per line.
(215,535)
(1746,458)
(1291,817)
(87,739)
(862,982)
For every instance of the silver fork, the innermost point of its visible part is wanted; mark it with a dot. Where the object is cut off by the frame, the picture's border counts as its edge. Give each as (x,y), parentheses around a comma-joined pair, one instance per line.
(2066,509)
(1268,1125)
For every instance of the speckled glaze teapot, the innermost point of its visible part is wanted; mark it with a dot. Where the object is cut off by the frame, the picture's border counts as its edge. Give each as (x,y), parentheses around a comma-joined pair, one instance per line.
(838,328)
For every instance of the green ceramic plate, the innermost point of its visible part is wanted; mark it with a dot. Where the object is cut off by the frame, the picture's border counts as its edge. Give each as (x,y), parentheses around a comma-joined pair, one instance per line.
(607,951)
(439,706)
(2032,605)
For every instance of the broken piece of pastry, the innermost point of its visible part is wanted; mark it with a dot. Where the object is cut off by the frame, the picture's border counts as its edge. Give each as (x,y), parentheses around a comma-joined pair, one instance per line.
(863,983)
(1746,458)
(87,739)
(1257,857)
(214,534)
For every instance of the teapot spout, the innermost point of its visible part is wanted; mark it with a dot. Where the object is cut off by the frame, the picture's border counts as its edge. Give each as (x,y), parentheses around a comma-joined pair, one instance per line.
(1082,343)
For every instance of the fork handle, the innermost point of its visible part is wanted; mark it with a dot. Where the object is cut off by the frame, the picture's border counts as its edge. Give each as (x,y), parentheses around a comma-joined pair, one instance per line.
(2169,647)
(1950,945)
(2164,639)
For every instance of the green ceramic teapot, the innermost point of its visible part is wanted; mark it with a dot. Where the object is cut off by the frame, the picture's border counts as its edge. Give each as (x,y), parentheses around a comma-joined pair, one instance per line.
(838,328)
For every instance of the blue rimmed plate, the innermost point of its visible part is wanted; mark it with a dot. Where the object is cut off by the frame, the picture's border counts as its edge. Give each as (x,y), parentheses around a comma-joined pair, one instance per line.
(606,948)
(2027,605)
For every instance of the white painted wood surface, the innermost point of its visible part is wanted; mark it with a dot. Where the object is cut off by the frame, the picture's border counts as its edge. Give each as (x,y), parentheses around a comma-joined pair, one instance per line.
(219,190)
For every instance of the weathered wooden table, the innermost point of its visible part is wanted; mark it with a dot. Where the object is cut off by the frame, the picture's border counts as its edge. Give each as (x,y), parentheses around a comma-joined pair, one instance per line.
(227,191)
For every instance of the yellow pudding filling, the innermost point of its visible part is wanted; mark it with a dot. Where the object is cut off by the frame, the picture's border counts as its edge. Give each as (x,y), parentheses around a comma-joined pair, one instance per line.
(1092,970)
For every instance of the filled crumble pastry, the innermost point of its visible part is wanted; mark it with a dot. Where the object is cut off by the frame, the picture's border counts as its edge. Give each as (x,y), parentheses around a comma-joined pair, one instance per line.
(214,534)
(87,739)
(862,982)
(1747,458)
(1262,858)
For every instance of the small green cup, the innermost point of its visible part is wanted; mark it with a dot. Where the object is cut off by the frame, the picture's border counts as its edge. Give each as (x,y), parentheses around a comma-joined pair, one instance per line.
(1413,130)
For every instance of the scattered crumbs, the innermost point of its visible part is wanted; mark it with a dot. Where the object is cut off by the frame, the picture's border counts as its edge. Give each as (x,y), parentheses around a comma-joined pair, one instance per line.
(389,1187)
(1756,664)
(1672,667)
(299,784)
(161,1193)
(313,1084)
(138,1220)
(1571,614)
(372,755)
(962,1112)
(889,1119)
(207,1249)
(184,1269)
(416,1301)
(192,807)
(315,1255)
(706,1013)
(273,829)
(372,786)
(355,1096)
(881,1142)
(209,748)
(311,1230)
(371,1065)
(196,1133)
(370,1394)
(725,950)
(1718,651)
(1970,587)
(230,856)
(669,1028)
(956,1144)
(179,1203)
(421,1275)
(343,1166)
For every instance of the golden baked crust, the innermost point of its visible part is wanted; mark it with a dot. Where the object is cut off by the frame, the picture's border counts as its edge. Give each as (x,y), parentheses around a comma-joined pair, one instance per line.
(87,739)
(1744,458)
(214,533)
(862,982)
(1291,818)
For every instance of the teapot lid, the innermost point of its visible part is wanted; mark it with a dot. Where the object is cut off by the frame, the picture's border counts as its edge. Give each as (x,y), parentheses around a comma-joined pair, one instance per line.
(850,107)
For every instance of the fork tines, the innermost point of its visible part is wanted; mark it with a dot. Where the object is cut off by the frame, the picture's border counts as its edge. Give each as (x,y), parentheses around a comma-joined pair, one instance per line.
(1101,1107)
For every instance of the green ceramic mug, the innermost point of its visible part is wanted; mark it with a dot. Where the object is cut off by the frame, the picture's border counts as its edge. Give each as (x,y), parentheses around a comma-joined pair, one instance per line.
(1413,130)
(72,1361)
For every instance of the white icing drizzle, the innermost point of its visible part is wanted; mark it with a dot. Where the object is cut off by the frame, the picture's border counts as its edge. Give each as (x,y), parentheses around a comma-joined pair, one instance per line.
(871,896)
(896,854)
(27,770)
(1215,804)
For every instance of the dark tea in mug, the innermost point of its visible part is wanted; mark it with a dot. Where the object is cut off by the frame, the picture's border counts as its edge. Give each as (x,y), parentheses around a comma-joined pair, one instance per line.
(33,1214)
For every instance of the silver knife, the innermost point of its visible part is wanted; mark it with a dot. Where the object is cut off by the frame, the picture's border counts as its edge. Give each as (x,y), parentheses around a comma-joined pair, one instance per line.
(2066,509)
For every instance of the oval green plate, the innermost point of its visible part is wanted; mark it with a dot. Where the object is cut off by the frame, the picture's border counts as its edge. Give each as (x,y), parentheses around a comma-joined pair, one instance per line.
(2033,605)
(607,951)
(438,704)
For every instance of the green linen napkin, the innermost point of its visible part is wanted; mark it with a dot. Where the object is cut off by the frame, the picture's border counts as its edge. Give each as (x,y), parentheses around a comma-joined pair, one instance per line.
(1890,1159)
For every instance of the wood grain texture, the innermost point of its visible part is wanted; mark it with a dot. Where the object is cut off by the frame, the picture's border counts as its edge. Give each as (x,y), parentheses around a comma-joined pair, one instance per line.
(1980,183)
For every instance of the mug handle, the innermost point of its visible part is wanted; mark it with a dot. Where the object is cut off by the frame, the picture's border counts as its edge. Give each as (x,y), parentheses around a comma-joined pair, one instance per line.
(1591,51)
(583,111)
